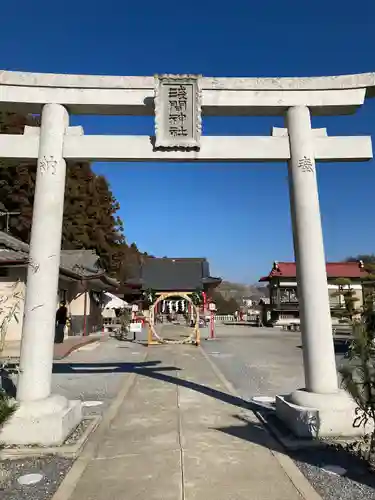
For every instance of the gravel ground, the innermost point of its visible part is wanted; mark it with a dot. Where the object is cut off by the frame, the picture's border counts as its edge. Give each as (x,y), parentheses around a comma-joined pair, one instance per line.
(78,432)
(266,362)
(93,373)
(356,484)
(53,469)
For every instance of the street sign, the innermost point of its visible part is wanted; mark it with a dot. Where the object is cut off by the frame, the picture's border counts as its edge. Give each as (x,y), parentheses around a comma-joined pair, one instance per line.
(136,327)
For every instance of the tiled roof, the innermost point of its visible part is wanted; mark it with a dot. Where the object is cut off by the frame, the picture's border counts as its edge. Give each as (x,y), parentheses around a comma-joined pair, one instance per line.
(168,274)
(334,270)
(82,263)
(8,256)
(10,242)
(173,274)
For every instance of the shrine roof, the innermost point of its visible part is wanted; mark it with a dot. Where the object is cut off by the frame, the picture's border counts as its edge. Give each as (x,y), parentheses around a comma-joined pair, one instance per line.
(169,274)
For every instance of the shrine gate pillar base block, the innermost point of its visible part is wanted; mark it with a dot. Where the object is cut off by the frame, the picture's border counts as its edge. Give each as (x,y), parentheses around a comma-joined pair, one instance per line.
(43,418)
(321,408)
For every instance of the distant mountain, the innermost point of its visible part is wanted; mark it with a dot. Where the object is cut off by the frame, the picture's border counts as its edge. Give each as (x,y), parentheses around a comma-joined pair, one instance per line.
(239,291)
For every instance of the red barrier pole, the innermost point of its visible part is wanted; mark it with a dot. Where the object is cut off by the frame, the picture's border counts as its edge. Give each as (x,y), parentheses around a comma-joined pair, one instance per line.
(85,314)
(204,303)
(212,325)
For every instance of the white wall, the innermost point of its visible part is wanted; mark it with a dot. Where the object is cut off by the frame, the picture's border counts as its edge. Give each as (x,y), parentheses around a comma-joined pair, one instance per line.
(354,286)
(12,293)
(76,306)
(332,288)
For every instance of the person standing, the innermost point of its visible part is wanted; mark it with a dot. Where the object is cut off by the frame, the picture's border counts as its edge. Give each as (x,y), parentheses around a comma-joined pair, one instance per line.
(61,319)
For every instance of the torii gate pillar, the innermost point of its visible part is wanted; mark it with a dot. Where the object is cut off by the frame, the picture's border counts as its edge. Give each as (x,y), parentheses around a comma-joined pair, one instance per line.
(43,418)
(320,409)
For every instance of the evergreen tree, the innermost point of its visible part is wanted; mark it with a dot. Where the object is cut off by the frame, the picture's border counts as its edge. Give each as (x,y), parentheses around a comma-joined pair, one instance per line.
(358,373)
(7,407)
(345,290)
(365,258)
(90,209)
(368,284)
(90,219)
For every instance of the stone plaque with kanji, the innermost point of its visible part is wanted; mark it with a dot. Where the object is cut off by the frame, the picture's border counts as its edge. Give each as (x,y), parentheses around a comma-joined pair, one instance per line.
(177,112)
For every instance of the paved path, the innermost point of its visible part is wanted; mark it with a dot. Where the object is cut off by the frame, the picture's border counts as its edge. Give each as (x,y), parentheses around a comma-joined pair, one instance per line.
(173,332)
(175,433)
(93,373)
(12,349)
(71,344)
(96,372)
(259,361)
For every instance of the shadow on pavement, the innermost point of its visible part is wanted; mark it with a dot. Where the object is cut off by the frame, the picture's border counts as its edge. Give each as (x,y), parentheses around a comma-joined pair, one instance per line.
(113,367)
(7,384)
(313,456)
(154,370)
(341,346)
(246,430)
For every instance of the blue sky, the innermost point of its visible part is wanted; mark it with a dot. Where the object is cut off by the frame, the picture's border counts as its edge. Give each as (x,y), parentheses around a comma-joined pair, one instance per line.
(235,215)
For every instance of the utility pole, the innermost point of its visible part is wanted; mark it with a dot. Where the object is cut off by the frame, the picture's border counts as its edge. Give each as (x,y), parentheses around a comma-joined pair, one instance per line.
(7,215)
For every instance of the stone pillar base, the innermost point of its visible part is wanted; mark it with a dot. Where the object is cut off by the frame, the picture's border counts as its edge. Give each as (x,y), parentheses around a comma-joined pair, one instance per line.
(311,415)
(45,423)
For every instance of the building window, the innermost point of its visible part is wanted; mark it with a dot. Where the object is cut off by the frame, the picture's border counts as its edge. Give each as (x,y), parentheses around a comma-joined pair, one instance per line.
(63,295)
(4,272)
(274,295)
(286,316)
(288,296)
(97,297)
(284,295)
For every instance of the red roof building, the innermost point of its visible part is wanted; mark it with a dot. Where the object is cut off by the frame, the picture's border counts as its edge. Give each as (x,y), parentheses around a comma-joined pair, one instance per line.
(283,291)
(353,270)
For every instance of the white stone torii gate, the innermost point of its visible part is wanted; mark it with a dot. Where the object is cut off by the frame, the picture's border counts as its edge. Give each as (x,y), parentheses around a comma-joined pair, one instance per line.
(321,408)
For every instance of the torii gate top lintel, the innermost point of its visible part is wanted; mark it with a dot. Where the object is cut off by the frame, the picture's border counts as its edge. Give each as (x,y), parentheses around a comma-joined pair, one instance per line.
(147,95)
(337,82)
(222,96)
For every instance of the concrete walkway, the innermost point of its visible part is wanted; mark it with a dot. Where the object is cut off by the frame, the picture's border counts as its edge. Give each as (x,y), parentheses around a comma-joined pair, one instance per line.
(175,433)
(12,349)
(71,344)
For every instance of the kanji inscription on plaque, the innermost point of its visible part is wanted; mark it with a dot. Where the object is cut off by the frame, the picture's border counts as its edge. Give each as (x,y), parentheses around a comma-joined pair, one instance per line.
(177,111)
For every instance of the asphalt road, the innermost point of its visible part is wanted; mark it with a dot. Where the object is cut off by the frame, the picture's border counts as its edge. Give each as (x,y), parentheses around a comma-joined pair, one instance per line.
(258,361)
